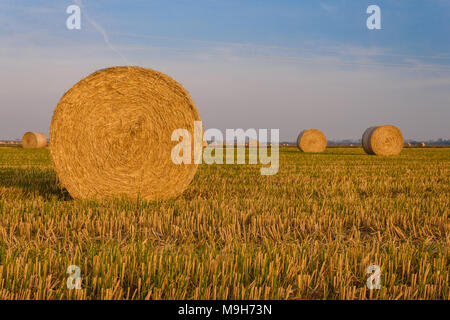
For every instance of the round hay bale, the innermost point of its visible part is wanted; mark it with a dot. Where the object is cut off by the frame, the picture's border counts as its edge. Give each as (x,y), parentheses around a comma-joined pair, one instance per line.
(111,135)
(34,140)
(311,140)
(408,145)
(382,140)
(421,144)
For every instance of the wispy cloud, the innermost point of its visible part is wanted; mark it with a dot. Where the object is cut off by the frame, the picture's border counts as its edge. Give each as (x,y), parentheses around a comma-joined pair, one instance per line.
(327,7)
(334,85)
(102,31)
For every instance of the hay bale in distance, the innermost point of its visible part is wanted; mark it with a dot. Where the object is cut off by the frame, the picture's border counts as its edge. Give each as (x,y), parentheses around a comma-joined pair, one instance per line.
(34,140)
(111,135)
(311,140)
(382,140)
(421,144)
(253,143)
(408,145)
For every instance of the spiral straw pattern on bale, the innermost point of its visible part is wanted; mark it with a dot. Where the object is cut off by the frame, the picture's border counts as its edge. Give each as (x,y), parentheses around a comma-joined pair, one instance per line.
(311,140)
(382,140)
(111,135)
(34,140)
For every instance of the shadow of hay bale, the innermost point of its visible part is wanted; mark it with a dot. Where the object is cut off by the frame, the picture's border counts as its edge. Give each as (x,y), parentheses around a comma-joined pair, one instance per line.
(34,181)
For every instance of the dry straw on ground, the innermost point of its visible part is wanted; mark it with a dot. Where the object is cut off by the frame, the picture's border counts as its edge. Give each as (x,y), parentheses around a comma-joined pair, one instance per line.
(34,140)
(311,140)
(382,140)
(111,135)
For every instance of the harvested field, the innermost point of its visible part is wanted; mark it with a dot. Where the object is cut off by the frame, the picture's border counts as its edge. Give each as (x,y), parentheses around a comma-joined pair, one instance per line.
(308,232)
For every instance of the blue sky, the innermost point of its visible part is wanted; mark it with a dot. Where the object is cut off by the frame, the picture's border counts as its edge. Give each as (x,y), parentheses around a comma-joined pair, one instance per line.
(252,64)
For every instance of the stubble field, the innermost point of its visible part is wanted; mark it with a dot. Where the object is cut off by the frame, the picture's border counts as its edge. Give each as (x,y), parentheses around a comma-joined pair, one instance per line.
(309,232)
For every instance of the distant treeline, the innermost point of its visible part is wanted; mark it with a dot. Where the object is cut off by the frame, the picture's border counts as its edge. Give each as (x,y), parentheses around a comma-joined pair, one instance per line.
(348,142)
(438,142)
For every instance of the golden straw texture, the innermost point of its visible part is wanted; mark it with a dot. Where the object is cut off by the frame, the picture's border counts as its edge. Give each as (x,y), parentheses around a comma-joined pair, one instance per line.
(34,140)
(110,135)
(311,140)
(382,140)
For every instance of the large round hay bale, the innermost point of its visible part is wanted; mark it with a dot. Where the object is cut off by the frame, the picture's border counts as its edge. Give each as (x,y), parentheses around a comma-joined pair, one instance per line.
(421,144)
(111,135)
(311,140)
(382,140)
(34,140)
